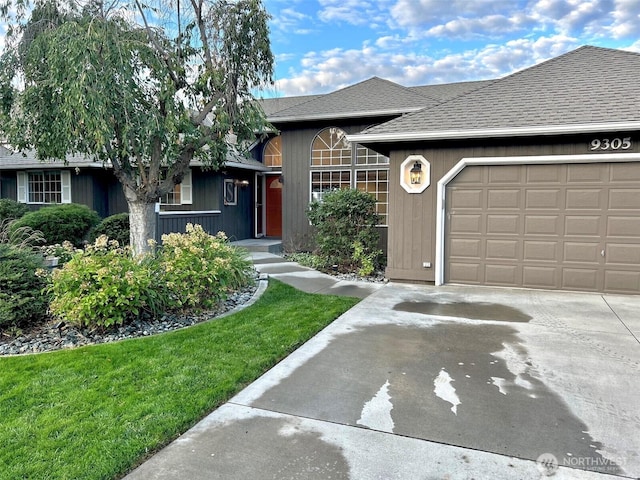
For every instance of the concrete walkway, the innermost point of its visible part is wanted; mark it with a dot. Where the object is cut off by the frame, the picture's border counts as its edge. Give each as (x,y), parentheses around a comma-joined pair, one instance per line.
(421,382)
(310,280)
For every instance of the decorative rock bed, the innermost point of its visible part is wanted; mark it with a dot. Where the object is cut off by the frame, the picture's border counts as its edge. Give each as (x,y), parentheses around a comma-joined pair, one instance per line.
(57,335)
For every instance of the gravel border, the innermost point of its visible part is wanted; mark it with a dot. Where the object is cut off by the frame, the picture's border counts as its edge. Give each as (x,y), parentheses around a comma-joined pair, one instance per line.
(49,337)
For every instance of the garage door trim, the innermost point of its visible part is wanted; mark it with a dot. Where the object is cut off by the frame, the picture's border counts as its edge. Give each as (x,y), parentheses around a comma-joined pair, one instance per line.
(516,160)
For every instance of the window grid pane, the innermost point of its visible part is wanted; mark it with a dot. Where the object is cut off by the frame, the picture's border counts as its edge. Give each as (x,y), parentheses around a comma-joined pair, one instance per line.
(366,156)
(273,153)
(172,198)
(45,187)
(326,181)
(376,182)
(331,148)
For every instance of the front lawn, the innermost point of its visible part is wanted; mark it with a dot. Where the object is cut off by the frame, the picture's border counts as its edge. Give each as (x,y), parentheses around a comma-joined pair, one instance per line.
(95,412)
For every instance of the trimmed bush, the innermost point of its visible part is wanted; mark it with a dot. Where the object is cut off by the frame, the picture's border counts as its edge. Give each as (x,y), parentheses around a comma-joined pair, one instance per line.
(116,227)
(201,269)
(22,302)
(58,223)
(105,285)
(10,209)
(345,229)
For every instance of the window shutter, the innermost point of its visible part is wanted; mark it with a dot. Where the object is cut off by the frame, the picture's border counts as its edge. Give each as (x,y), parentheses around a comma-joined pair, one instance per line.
(186,189)
(65,178)
(22,187)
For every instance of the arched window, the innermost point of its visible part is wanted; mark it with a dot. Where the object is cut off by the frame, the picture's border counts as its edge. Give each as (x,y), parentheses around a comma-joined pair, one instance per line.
(331,148)
(273,152)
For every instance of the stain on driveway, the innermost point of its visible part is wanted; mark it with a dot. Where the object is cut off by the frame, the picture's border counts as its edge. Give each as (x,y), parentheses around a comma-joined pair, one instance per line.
(463,384)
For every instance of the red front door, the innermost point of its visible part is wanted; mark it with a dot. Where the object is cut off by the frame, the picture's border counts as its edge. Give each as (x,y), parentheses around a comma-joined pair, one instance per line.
(273,205)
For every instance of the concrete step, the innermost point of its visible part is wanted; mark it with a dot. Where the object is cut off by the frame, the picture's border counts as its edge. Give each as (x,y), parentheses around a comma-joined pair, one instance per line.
(268,245)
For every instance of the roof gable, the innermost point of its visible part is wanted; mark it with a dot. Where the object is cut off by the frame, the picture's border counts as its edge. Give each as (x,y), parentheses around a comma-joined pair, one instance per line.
(589,85)
(373,97)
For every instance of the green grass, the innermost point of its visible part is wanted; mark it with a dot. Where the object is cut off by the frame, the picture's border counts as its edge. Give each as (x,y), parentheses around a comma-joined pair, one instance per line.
(96,412)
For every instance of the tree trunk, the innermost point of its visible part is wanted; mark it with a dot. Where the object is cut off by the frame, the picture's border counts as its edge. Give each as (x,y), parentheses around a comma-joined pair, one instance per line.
(142,223)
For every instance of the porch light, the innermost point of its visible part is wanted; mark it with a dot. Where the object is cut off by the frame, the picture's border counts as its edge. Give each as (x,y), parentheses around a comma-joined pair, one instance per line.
(416,174)
(241,183)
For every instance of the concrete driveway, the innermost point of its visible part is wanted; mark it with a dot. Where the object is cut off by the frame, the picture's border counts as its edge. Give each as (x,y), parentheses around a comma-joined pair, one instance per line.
(421,382)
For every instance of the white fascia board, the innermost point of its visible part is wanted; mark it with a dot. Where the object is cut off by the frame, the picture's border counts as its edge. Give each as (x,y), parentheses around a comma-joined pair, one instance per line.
(494,132)
(337,116)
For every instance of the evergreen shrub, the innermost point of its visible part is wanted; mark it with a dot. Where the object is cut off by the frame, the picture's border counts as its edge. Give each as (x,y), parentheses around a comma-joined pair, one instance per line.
(22,302)
(58,223)
(345,230)
(116,227)
(10,209)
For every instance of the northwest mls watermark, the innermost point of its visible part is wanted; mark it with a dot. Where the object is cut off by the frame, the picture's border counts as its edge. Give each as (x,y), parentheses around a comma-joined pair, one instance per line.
(548,463)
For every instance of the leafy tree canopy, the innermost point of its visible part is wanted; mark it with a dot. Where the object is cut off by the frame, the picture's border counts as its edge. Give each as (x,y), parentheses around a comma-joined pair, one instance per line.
(144,87)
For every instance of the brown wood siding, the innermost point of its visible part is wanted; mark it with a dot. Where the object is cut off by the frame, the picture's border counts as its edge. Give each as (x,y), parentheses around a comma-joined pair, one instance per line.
(412,217)
(296,164)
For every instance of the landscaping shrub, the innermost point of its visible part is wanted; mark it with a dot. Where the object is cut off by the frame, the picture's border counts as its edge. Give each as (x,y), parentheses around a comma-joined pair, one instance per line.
(345,229)
(70,222)
(10,209)
(201,269)
(22,302)
(105,285)
(116,227)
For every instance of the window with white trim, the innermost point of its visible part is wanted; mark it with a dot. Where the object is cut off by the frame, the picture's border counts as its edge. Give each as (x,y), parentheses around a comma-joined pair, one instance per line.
(44,186)
(330,148)
(376,182)
(181,193)
(366,156)
(327,180)
(272,155)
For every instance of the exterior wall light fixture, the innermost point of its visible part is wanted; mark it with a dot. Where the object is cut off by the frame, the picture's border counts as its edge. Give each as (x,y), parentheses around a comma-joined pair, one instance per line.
(415,174)
(241,183)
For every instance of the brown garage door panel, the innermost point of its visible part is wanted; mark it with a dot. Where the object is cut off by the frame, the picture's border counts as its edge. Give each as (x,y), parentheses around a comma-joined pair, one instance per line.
(621,281)
(558,226)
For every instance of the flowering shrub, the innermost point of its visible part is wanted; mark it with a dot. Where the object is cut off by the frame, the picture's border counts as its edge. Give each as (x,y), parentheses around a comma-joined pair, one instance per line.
(201,269)
(105,285)
(62,251)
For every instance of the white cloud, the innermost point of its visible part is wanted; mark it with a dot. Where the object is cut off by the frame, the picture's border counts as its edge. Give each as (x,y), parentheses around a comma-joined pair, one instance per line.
(418,13)
(354,12)
(333,69)
(626,19)
(439,41)
(488,26)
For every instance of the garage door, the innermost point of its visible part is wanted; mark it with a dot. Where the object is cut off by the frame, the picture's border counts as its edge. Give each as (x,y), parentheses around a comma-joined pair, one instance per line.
(562,226)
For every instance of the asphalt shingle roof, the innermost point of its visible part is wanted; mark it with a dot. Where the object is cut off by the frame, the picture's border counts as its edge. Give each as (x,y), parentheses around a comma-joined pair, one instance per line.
(371,97)
(447,91)
(272,105)
(10,160)
(589,85)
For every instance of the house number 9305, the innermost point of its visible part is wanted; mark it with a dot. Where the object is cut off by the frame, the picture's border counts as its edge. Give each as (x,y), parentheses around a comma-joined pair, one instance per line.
(610,143)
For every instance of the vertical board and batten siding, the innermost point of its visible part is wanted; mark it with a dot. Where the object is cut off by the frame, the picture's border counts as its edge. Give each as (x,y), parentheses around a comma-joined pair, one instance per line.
(8,185)
(296,167)
(412,219)
(236,221)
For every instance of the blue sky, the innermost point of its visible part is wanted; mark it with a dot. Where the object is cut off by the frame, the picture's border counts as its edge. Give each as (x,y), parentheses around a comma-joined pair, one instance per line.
(323,45)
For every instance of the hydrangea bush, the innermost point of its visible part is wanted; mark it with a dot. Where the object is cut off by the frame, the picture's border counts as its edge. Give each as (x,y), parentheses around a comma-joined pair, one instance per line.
(105,285)
(201,269)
